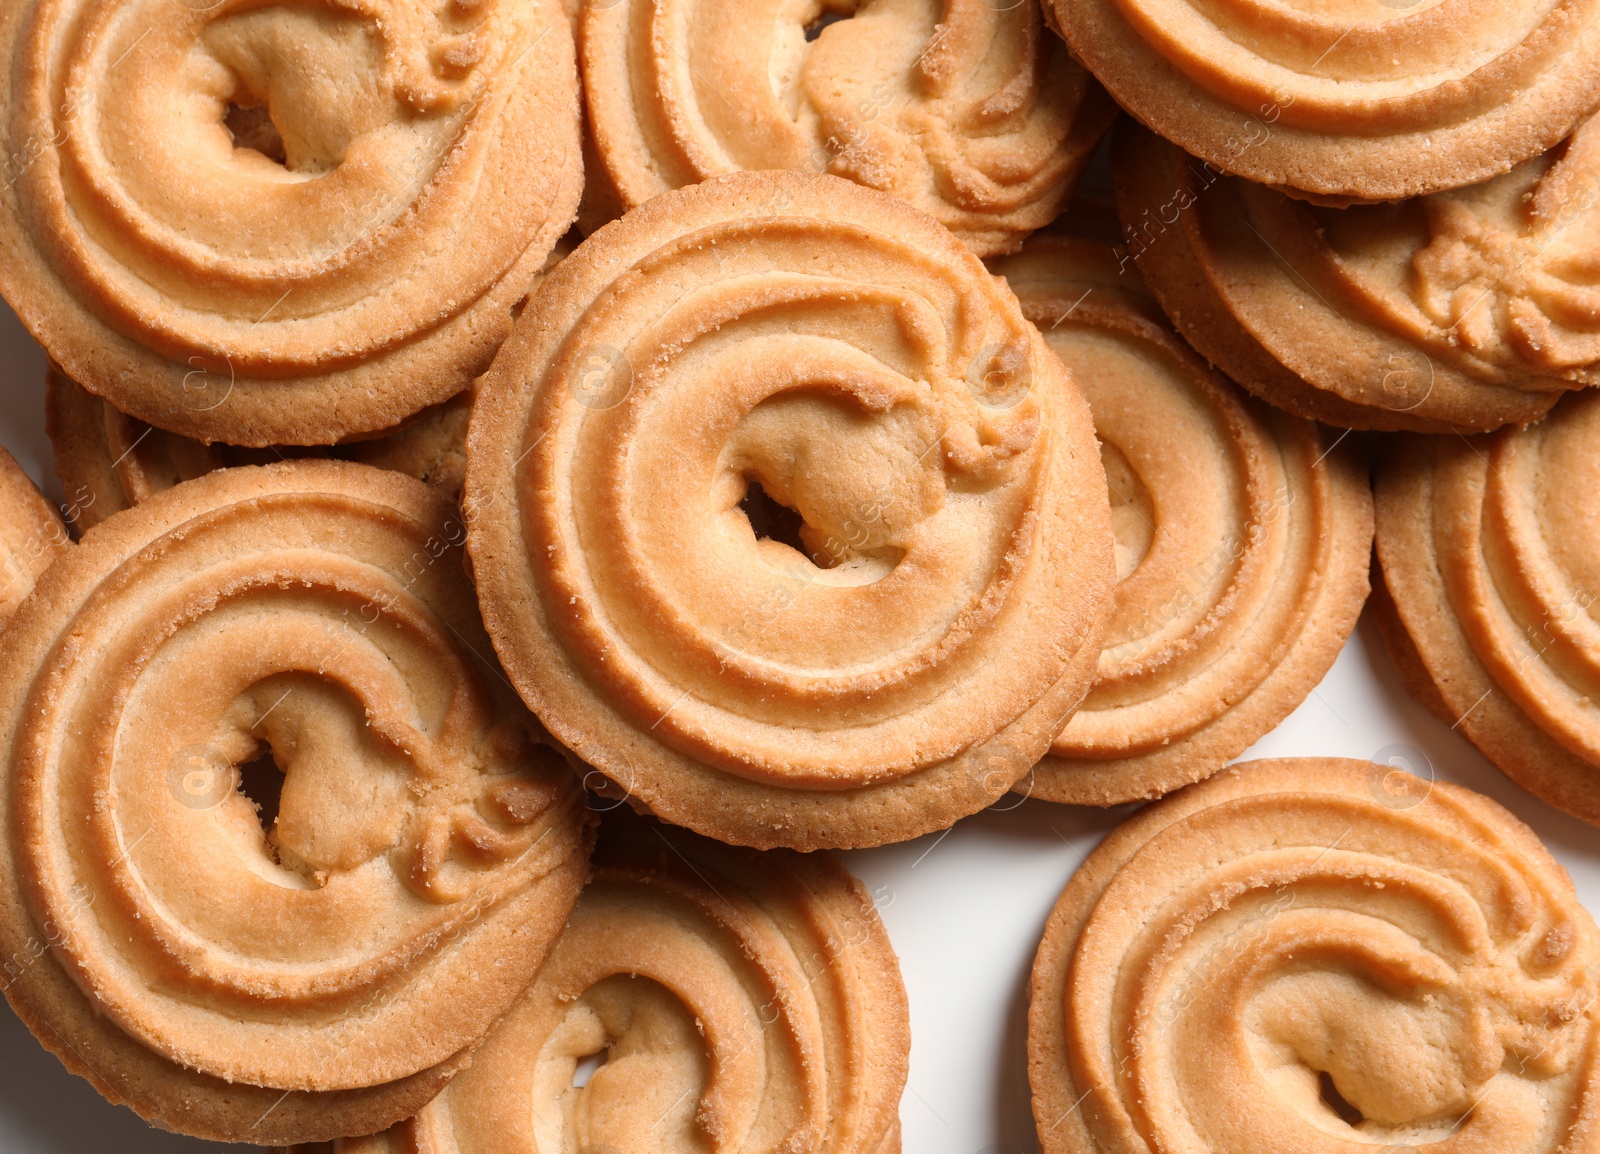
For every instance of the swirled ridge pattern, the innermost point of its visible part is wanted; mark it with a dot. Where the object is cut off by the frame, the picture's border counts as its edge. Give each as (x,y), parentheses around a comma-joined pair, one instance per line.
(1500,276)
(1460,311)
(969,110)
(424,853)
(1489,552)
(736,1000)
(1347,99)
(922,634)
(1318,956)
(265,223)
(1243,539)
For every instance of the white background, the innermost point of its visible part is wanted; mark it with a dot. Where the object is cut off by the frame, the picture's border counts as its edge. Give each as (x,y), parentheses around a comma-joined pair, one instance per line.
(964,908)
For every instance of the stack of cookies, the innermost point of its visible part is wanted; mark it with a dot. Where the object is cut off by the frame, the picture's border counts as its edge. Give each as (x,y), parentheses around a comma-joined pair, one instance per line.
(538,476)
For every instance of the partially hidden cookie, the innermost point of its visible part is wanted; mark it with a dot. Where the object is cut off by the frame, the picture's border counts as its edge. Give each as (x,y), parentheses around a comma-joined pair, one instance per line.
(1462,311)
(733,1000)
(972,112)
(1347,99)
(1490,554)
(1307,955)
(1243,539)
(250,976)
(281,224)
(108,461)
(786,520)
(31,535)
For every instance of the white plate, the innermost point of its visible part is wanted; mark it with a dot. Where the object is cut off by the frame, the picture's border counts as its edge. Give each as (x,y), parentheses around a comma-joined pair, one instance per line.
(964,908)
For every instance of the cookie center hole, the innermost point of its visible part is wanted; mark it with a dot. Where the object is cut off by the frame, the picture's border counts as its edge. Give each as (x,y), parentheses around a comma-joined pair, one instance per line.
(261,782)
(586,1067)
(814,29)
(771,521)
(1335,1101)
(251,126)
(1132,511)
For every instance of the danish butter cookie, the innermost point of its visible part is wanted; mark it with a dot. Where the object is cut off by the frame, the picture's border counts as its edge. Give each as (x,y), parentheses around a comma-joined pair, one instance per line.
(1347,99)
(1490,551)
(250,977)
(737,1000)
(1303,955)
(31,535)
(786,519)
(108,461)
(971,111)
(281,223)
(1244,537)
(1461,311)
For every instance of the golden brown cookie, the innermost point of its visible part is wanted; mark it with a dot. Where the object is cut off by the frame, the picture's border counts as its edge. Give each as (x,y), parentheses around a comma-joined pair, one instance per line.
(1347,99)
(1244,537)
(1306,955)
(735,1000)
(281,224)
(240,975)
(786,519)
(108,461)
(1465,310)
(1490,550)
(31,535)
(971,111)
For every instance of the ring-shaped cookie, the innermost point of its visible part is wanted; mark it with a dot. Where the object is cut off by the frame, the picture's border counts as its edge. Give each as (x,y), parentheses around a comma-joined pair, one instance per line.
(1489,555)
(1462,311)
(1322,956)
(325,974)
(717,998)
(1244,537)
(971,111)
(1347,99)
(281,223)
(908,640)
(108,461)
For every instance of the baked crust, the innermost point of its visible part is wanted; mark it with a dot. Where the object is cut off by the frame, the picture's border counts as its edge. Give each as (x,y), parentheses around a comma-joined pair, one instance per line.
(974,113)
(1244,538)
(1348,100)
(1486,554)
(1457,313)
(31,535)
(842,351)
(170,263)
(749,998)
(325,975)
(108,461)
(1316,954)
